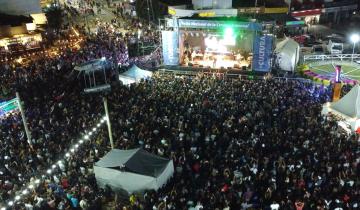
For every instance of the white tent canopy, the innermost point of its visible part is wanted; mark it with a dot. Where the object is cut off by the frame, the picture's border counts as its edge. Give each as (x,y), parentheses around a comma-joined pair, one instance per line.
(133,75)
(133,170)
(287,54)
(348,107)
(91,66)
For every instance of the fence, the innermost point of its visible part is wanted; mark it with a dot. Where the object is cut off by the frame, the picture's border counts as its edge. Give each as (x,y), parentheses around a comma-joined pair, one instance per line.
(230,75)
(341,57)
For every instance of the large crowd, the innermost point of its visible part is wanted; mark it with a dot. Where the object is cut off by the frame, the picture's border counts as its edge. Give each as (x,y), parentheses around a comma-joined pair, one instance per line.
(235,143)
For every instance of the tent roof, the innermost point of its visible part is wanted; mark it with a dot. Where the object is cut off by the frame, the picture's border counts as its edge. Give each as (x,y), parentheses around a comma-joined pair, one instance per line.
(116,158)
(349,104)
(90,66)
(136,73)
(135,160)
(287,46)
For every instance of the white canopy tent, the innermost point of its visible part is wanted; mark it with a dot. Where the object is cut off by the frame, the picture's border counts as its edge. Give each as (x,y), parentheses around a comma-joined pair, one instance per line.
(133,170)
(89,69)
(348,108)
(287,54)
(91,66)
(133,75)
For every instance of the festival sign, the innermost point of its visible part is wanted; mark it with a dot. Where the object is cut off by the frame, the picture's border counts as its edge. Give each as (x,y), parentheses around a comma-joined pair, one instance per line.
(170,47)
(215,24)
(262,53)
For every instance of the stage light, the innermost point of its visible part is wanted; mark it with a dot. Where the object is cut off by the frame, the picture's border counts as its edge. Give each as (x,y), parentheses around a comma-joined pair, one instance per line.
(229,31)
(229,36)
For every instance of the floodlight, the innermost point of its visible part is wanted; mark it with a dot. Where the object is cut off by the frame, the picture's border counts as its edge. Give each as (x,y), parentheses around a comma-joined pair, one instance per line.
(355,38)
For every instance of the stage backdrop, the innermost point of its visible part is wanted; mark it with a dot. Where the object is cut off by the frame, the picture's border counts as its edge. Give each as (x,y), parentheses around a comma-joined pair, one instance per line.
(170,47)
(262,53)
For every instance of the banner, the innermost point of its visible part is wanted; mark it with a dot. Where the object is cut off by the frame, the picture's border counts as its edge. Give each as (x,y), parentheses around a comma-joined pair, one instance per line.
(262,53)
(170,47)
(8,106)
(216,24)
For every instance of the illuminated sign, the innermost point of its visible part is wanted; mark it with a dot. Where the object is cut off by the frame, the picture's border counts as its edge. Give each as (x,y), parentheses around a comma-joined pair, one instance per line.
(170,47)
(262,53)
(337,73)
(213,24)
(171,11)
(276,10)
(251,10)
(295,23)
(207,14)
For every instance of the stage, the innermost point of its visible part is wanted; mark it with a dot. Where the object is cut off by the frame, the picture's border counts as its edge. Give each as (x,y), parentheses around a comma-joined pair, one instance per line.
(216,44)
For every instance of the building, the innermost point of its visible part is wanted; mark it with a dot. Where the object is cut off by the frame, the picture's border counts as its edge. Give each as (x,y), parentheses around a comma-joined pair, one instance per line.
(18,33)
(19,21)
(323,11)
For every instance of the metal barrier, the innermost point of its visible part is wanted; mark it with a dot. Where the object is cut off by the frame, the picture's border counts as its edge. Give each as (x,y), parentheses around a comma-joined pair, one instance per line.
(231,75)
(331,57)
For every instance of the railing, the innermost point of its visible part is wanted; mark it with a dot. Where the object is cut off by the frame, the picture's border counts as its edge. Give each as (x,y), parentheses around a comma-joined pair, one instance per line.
(230,75)
(331,57)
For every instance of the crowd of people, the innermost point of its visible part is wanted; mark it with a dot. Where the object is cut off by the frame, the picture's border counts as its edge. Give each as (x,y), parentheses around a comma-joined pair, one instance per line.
(235,143)
(234,146)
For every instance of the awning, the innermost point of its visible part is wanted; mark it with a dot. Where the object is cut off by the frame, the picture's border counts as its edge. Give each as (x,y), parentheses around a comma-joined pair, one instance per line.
(304,13)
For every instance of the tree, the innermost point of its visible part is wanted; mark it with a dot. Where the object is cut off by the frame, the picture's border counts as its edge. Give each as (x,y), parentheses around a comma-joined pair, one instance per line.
(54,17)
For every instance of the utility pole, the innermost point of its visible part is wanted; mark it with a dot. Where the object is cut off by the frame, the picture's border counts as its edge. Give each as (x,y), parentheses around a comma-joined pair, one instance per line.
(289,9)
(108,122)
(27,131)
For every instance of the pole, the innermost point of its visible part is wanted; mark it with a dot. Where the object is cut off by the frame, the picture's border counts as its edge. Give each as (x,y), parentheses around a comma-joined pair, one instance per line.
(148,8)
(352,56)
(108,122)
(27,131)
(255,8)
(289,9)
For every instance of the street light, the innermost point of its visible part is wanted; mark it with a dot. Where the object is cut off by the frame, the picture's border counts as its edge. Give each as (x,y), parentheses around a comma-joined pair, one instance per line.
(355,38)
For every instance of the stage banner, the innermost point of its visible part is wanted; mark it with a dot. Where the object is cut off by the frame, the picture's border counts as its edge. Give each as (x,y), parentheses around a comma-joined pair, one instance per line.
(216,24)
(170,47)
(262,53)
